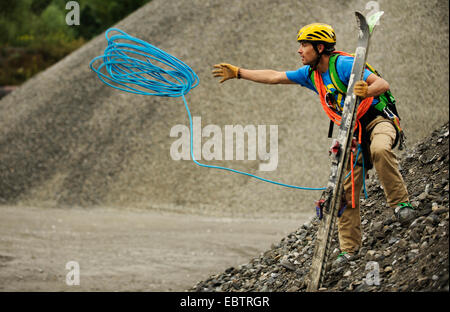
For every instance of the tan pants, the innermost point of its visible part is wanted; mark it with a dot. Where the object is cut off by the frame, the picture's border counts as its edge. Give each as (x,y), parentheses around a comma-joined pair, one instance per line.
(386,164)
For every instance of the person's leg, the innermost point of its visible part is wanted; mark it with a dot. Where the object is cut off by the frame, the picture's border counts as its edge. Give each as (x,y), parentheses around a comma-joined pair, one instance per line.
(349,224)
(385,162)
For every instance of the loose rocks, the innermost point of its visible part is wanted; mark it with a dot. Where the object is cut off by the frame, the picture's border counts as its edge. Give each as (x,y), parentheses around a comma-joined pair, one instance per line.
(393,257)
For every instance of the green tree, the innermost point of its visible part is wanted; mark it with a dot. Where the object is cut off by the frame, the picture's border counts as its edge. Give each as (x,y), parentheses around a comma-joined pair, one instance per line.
(34,33)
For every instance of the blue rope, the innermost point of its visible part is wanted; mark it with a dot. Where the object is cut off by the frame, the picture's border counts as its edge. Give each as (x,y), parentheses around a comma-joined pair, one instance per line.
(364,178)
(354,164)
(141,68)
(364,175)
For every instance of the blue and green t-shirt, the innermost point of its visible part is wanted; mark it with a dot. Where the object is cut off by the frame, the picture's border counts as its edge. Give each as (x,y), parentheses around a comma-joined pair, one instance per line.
(344,68)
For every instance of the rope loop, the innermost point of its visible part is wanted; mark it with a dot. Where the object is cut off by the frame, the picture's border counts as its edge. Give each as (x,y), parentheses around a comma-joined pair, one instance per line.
(133,65)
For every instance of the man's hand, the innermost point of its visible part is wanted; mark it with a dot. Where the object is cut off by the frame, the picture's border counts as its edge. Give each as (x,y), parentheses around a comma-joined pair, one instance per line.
(360,89)
(227,71)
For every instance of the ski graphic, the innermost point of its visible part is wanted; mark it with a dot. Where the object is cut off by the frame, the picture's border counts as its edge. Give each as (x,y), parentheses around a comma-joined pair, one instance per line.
(340,157)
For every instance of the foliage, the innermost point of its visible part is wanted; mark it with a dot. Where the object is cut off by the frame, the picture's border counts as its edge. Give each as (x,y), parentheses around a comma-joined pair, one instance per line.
(34,33)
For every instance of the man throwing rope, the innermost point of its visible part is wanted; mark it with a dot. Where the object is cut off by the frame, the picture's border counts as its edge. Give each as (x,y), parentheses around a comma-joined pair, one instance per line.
(327,72)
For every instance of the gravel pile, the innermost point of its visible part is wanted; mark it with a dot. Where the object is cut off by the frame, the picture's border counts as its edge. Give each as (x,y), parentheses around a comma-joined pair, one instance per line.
(408,257)
(68,140)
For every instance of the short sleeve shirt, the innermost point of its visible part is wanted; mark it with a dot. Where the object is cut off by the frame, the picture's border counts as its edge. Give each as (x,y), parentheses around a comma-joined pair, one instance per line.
(343,66)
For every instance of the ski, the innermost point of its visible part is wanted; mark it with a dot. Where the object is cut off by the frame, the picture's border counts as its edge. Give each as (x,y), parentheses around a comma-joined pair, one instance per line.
(328,206)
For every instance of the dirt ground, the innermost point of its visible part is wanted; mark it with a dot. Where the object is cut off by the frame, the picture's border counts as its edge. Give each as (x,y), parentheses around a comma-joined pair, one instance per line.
(125,250)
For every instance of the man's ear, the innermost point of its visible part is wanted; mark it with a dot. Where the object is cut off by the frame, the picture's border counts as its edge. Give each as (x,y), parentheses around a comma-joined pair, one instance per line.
(321,47)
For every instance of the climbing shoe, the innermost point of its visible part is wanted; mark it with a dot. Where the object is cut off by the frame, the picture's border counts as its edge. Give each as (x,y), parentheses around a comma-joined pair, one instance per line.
(405,213)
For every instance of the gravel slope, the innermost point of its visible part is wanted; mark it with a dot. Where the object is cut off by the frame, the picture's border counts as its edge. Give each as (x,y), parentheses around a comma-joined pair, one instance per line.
(68,140)
(411,257)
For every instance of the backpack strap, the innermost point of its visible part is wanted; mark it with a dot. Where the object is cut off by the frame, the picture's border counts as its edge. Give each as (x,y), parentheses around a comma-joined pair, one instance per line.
(385,100)
(338,84)
(311,77)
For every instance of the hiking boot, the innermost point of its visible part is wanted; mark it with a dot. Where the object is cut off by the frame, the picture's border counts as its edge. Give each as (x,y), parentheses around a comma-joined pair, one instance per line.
(343,258)
(405,213)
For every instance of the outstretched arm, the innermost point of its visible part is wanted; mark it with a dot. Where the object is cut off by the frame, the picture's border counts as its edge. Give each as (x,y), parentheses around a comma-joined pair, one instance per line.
(265,76)
(268,76)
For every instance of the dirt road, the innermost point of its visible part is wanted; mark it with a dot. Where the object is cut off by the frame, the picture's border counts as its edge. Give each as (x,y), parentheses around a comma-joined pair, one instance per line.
(125,250)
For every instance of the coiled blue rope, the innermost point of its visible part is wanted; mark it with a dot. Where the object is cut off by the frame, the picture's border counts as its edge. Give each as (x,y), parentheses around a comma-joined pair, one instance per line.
(135,66)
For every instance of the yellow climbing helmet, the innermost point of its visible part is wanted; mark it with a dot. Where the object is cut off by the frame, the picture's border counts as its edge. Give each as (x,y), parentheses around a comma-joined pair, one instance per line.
(317,32)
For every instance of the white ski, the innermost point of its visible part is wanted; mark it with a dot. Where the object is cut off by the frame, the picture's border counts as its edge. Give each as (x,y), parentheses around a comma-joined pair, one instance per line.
(332,195)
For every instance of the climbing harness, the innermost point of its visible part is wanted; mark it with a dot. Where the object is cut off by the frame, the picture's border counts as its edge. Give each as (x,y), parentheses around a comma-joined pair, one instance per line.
(334,111)
(386,104)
